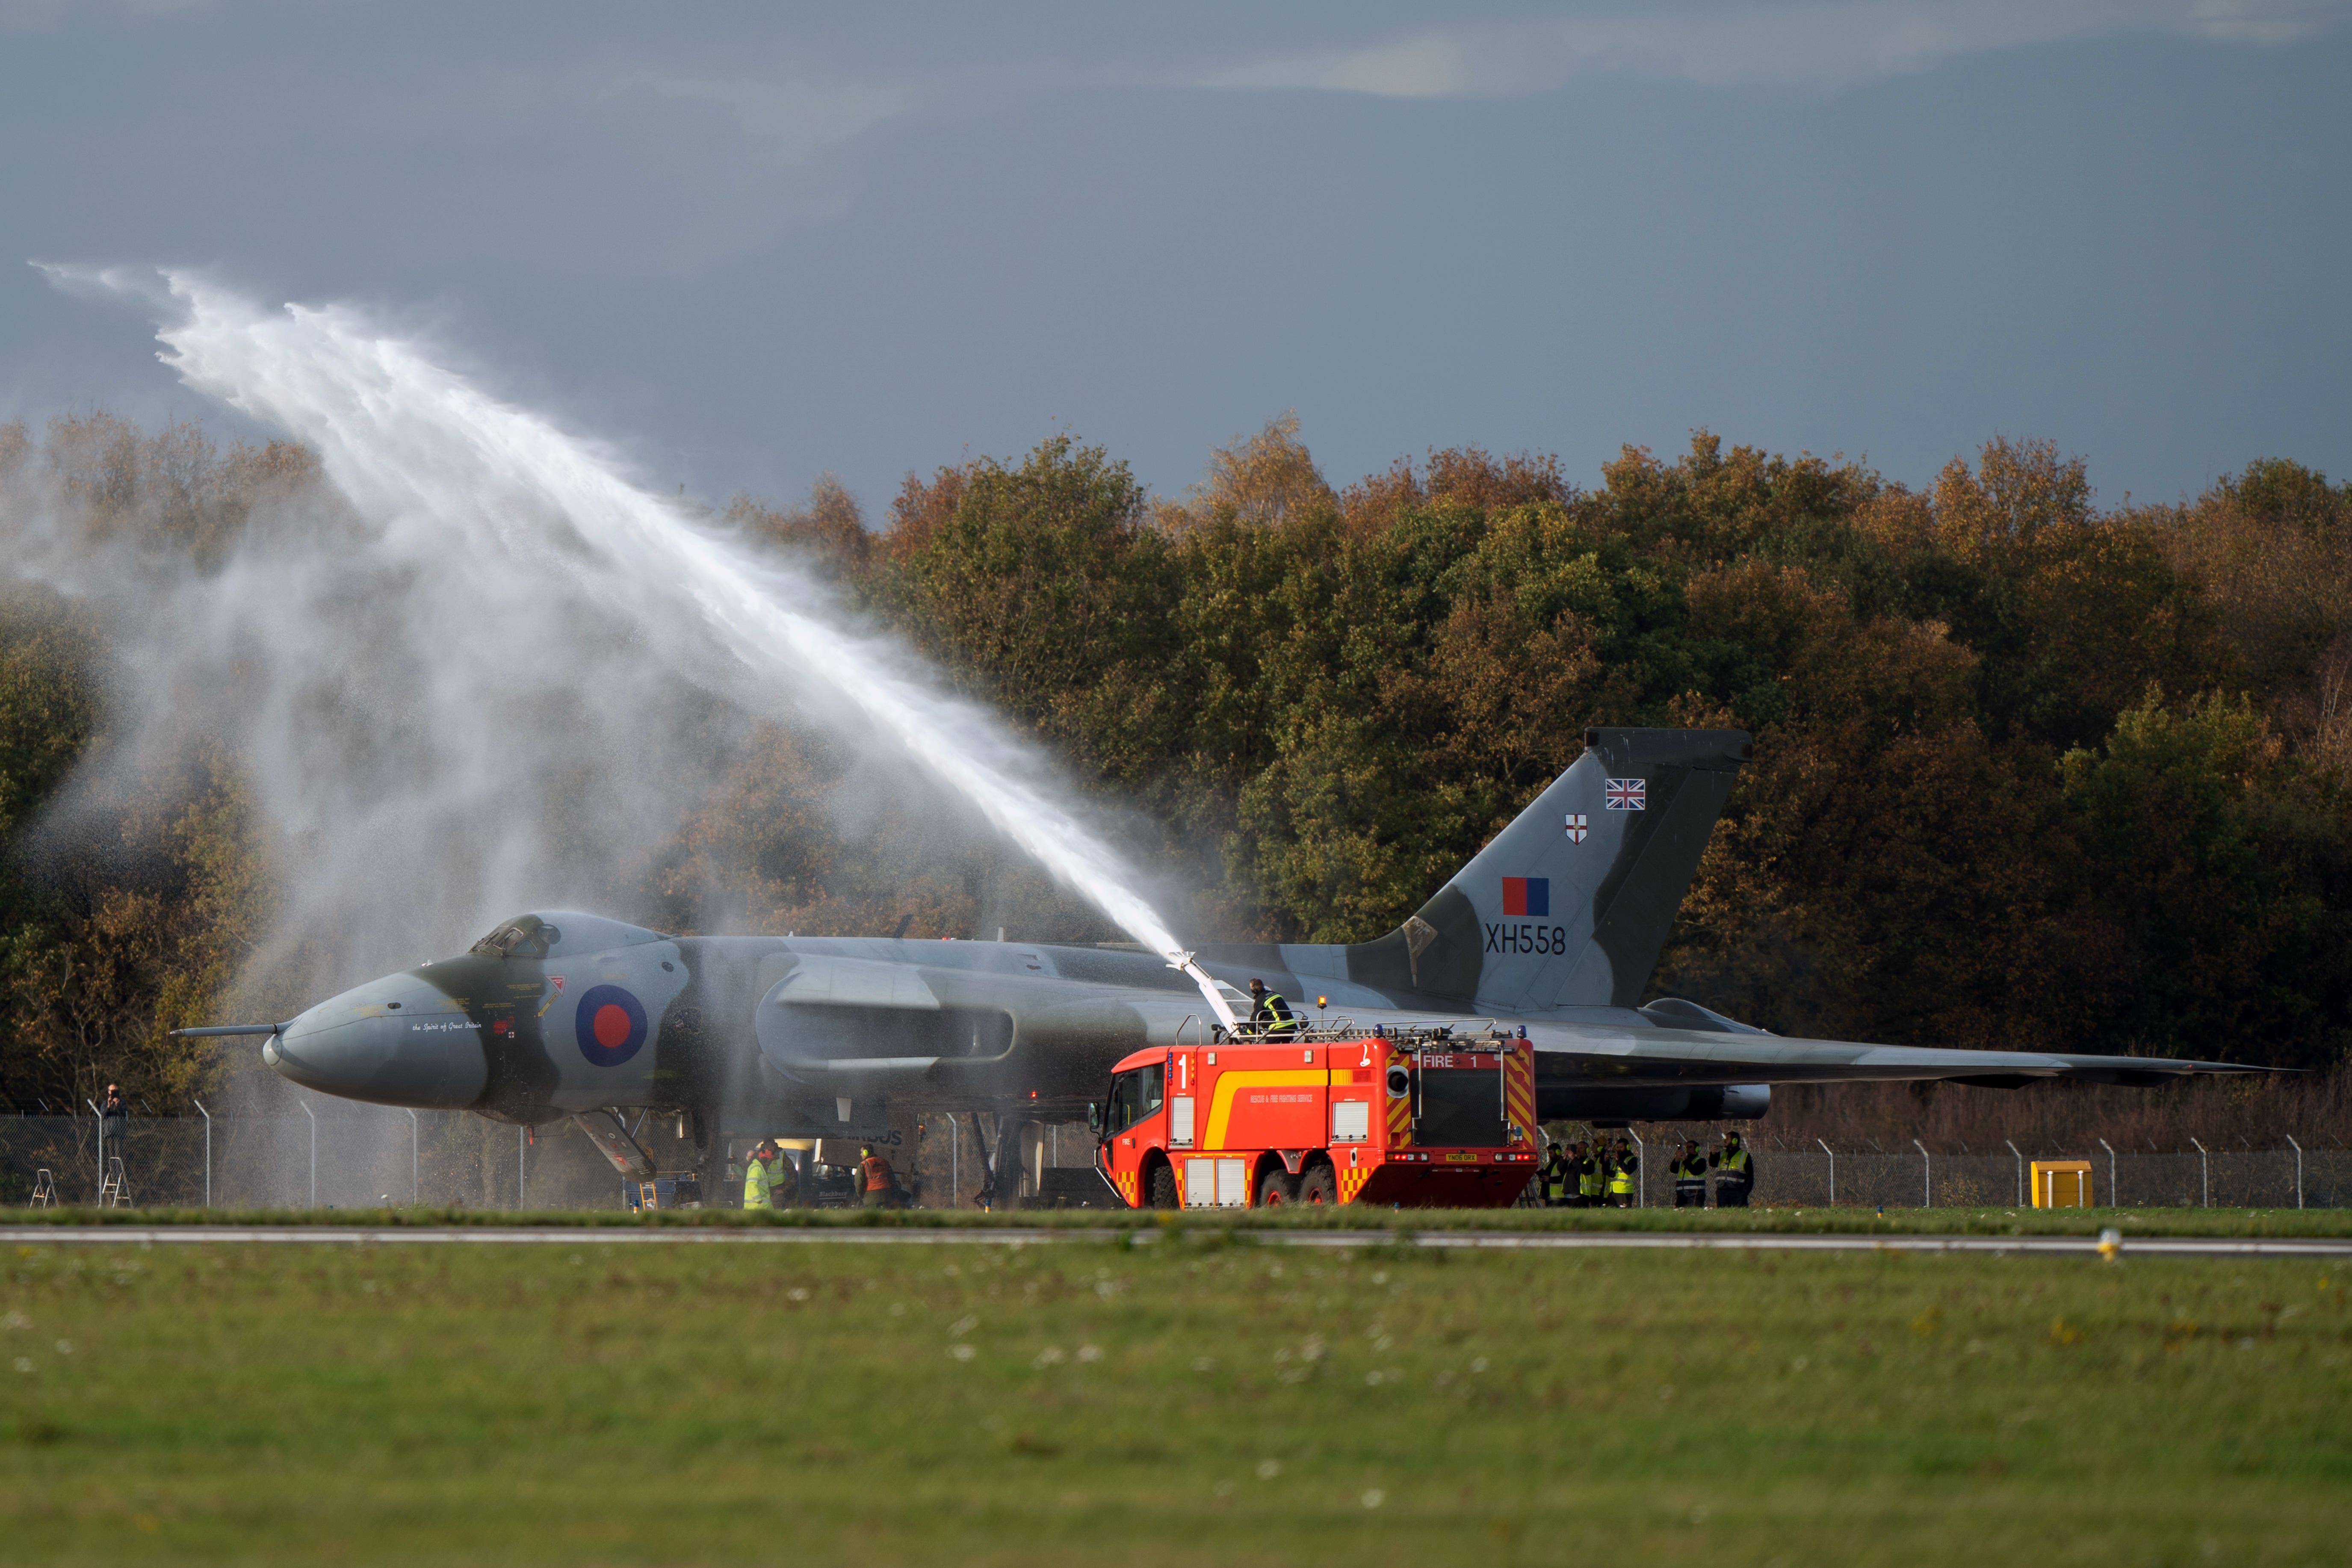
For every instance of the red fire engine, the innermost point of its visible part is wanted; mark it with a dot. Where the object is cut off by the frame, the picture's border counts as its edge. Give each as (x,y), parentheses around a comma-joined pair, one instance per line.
(1438,1118)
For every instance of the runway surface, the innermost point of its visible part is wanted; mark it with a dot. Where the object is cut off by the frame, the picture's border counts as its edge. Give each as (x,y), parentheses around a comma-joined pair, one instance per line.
(526,1235)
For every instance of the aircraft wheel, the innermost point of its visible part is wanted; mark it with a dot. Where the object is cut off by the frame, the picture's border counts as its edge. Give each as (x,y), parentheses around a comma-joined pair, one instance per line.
(1160,1191)
(1318,1186)
(1277,1189)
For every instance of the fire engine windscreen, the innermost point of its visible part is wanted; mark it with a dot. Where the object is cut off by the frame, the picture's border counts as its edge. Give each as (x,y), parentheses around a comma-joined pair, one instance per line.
(1134,1095)
(1461,1108)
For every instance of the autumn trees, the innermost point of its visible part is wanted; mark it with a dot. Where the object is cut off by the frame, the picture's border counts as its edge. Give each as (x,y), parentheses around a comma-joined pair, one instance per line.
(2027,772)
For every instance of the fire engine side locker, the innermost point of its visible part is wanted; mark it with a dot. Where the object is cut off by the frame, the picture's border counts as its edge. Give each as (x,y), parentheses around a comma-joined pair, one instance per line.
(1247,1097)
(1358,1118)
(1196,1181)
(1208,1177)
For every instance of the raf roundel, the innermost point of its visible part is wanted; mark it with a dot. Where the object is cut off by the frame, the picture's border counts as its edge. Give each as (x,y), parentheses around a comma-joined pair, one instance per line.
(610,1024)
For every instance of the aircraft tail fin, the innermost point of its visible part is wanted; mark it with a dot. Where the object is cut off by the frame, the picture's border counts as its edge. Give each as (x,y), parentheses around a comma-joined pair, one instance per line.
(1570,904)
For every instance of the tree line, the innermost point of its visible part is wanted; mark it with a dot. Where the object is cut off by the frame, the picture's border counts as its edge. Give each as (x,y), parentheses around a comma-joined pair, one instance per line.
(2028,773)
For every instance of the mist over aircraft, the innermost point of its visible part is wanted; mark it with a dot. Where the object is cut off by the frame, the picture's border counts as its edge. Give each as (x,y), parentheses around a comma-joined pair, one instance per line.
(1553,929)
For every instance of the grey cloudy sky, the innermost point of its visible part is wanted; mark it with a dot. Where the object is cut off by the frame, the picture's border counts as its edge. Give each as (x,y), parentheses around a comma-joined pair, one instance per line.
(751,243)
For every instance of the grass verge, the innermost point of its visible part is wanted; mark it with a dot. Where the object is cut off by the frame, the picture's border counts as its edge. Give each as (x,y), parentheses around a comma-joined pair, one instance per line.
(1815,1220)
(1202,1399)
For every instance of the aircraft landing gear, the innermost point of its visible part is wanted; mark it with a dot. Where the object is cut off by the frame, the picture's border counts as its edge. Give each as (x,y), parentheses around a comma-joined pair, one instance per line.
(987,1196)
(709,1158)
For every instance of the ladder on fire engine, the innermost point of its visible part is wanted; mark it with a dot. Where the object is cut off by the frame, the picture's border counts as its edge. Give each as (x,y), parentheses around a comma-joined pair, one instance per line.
(45,1189)
(114,1192)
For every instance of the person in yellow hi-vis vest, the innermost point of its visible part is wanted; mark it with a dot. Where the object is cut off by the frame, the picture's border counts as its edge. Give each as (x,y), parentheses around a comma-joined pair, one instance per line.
(1689,1172)
(1622,1164)
(1735,1173)
(1592,1180)
(760,1176)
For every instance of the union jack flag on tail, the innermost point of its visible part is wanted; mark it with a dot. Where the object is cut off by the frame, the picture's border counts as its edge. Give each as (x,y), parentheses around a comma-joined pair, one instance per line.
(1627,795)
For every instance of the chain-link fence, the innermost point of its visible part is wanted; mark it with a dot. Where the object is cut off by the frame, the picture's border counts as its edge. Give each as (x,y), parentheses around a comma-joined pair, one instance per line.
(2242,1178)
(358,1156)
(341,1157)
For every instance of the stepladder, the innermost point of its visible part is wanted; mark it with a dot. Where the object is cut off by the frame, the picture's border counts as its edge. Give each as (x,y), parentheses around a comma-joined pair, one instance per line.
(45,1189)
(114,1190)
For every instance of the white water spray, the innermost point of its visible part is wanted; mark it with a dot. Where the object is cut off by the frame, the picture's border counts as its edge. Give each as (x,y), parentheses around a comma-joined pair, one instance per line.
(407,441)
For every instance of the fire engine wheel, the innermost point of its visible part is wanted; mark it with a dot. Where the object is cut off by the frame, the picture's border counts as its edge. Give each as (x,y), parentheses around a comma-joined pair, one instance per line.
(1277,1189)
(1317,1186)
(1160,1192)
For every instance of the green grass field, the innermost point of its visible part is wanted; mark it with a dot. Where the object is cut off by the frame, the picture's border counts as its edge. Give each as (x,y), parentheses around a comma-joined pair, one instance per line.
(1203,1399)
(1786,1221)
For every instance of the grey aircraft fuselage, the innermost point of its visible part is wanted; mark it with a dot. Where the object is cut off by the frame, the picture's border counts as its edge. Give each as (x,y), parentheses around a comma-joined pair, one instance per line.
(1554,929)
(748,1028)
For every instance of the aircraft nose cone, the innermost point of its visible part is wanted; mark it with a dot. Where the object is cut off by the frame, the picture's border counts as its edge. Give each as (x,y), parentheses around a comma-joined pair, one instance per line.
(391,1043)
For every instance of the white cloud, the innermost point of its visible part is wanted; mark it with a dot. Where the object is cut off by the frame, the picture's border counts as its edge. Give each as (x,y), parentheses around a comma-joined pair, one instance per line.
(645,165)
(785,117)
(1724,46)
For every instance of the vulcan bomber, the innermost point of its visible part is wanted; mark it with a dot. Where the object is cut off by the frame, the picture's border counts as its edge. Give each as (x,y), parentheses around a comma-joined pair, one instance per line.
(1551,933)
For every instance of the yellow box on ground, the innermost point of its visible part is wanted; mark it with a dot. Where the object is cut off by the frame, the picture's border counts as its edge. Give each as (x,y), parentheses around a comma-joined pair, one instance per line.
(2062,1183)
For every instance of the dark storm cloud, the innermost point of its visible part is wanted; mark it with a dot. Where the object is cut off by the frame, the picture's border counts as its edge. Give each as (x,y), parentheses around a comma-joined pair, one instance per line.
(757,244)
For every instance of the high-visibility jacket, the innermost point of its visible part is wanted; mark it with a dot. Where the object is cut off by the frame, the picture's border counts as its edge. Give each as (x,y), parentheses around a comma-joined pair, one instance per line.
(1688,1168)
(1732,1162)
(1555,1177)
(1273,1015)
(1589,1178)
(1620,1174)
(758,1184)
(877,1173)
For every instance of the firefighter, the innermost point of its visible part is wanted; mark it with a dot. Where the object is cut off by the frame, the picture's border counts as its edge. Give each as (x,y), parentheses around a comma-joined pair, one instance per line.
(1735,1173)
(760,1176)
(1591,1179)
(1555,1177)
(881,1183)
(1270,1016)
(1689,1172)
(1622,1165)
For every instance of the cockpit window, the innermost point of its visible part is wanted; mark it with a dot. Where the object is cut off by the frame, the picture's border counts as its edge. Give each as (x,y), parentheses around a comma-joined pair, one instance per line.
(526,937)
(561,933)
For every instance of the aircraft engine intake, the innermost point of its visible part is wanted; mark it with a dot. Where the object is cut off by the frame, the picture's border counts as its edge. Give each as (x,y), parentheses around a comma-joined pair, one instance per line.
(827,1040)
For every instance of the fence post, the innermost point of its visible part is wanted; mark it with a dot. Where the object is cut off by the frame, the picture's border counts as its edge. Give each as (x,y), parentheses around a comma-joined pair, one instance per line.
(1927,1170)
(2021,1173)
(208,1148)
(955,1151)
(2115,1199)
(414,1189)
(97,1120)
(2298,1171)
(522,1137)
(2204,1171)
(1832,1154)
(314,1150)
(1641,1167)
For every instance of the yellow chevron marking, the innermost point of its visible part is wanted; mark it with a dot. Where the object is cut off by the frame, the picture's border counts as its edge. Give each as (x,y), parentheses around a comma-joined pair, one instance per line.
(1519,1087)
(1400,1122)
(1221,1108)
